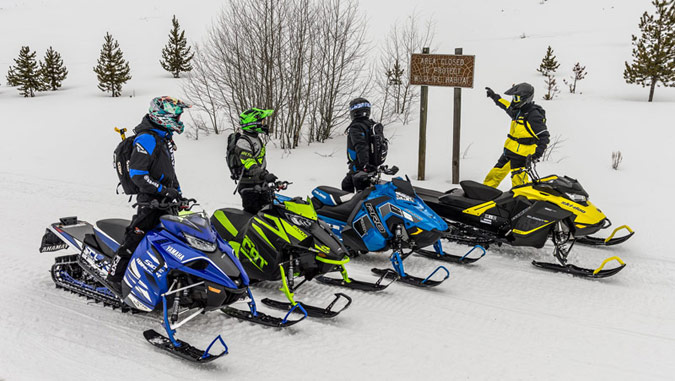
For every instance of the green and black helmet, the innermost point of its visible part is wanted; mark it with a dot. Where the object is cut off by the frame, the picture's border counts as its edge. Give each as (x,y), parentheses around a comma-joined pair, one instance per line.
(251,120)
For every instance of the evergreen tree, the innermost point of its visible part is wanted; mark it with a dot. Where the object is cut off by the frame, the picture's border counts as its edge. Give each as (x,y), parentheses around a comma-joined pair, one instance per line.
(25,73)
(654,51)
(176,55)
(52,71)
(551,87)
(112,70)
(548,63)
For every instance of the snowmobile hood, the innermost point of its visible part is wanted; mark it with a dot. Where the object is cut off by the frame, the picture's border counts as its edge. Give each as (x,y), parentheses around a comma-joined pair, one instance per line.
(414,209)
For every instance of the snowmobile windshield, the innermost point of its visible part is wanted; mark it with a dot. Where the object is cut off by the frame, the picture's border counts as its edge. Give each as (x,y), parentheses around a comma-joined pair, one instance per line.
(302,208)
(194,224)
(404,187)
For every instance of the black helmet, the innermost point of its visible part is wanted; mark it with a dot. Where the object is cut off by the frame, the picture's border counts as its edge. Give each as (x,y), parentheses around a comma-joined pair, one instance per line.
(523,93)
(359,108)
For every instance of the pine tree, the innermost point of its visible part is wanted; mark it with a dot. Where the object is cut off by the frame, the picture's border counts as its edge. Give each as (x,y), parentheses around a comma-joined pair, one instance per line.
(579,74)
(112,70)
(551,87)
(548,63)
(25,73)
(52,71)
(176,54)
(654,51)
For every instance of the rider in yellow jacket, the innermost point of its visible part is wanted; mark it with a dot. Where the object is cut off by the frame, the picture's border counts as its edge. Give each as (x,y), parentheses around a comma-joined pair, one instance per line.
(527,136)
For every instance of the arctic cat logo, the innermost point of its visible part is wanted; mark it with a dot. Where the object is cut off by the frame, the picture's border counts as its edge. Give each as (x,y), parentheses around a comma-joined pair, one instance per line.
(175,252)
(250,252)
(374,217)
(140,149)
(578,209)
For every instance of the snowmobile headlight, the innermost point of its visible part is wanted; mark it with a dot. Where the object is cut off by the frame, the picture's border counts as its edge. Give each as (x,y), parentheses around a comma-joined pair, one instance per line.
(404,197)
(200,244)
(576,197)
(299,220)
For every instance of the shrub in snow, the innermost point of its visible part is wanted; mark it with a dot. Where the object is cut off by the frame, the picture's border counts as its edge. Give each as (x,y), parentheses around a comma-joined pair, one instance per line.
(549,64)
(654,51)
(579,74)
(25,73)
(176,55)
(555,144)
(111,69)
(551,87)
(52,70)
(616,159)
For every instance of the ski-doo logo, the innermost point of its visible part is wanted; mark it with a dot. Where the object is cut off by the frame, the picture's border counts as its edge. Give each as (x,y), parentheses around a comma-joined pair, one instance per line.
(175,252)
(578,209)
(374,217)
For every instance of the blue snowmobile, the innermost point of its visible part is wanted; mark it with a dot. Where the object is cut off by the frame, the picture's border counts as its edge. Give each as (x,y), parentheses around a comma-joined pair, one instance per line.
(385,216)
(181,268)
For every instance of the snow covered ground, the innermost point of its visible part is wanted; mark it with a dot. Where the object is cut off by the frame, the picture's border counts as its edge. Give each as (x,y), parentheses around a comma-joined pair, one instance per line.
(498,319)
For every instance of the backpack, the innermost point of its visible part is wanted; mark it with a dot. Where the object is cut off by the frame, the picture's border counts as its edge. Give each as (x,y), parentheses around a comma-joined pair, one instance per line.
(233,161)
(121,157)
(379,145)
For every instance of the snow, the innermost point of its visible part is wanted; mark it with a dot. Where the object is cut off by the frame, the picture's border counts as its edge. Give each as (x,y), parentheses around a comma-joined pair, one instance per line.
(500,318)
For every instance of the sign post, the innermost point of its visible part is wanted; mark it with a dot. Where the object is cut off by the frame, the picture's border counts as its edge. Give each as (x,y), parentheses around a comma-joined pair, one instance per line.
(448,71)
(421,159)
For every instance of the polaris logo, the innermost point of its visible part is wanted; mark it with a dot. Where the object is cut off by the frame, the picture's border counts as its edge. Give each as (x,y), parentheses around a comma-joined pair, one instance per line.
(374,217)
(175,252)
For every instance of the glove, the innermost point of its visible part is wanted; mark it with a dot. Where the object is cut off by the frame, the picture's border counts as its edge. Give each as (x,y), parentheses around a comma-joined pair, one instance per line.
(270,177)
(490,93)
(171,193)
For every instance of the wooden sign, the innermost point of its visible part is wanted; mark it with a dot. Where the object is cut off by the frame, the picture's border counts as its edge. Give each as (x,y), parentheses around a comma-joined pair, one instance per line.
(442,70)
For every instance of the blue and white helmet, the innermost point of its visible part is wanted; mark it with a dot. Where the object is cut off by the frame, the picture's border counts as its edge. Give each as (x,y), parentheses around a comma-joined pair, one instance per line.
(359,108)
(166,111)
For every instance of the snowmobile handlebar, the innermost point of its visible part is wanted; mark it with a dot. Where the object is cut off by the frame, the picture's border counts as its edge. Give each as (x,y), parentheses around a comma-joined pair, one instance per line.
(374,177)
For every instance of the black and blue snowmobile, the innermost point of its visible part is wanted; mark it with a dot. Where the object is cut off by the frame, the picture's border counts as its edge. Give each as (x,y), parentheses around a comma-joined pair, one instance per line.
(385,216)
(286,241)
(527,215)
(181,268)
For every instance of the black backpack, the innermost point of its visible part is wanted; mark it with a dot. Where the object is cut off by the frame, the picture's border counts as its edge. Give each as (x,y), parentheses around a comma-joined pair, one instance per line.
(121,157)
(379,145)
(233,161)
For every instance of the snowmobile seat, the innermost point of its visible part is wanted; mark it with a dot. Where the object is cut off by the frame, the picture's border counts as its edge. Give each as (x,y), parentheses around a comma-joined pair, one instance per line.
(343,211)
(113,228)
(478,191)
(428,194)
(238,217)
(331,196)
(457,198)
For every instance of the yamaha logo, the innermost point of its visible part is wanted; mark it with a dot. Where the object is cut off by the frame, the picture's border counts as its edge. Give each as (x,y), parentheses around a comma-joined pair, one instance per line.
(175,252)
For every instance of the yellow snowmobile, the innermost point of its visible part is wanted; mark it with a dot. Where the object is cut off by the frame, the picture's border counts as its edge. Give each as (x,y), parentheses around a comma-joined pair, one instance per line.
(527,215)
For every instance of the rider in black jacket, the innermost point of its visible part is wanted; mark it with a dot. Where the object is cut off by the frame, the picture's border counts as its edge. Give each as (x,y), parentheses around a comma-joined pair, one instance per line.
(151,168)
(360,132)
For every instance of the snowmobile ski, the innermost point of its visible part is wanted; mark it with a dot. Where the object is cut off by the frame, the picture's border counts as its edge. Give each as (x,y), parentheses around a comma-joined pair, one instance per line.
(609,241)
(441,255)
(600,272)
(263,319)
(410,279)
(312,311)
(356,284)
(184,350)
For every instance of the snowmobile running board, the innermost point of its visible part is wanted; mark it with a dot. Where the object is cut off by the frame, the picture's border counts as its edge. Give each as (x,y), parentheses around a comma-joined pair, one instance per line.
(312,311)
(356,284)
(600,272)
(184,350)
(440,255)
(609,241)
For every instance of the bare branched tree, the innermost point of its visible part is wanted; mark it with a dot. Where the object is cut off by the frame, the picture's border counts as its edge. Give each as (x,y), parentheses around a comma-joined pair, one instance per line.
(302,58)
(396,93)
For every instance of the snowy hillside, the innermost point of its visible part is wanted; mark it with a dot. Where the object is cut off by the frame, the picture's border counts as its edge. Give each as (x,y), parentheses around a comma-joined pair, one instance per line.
(500,318)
